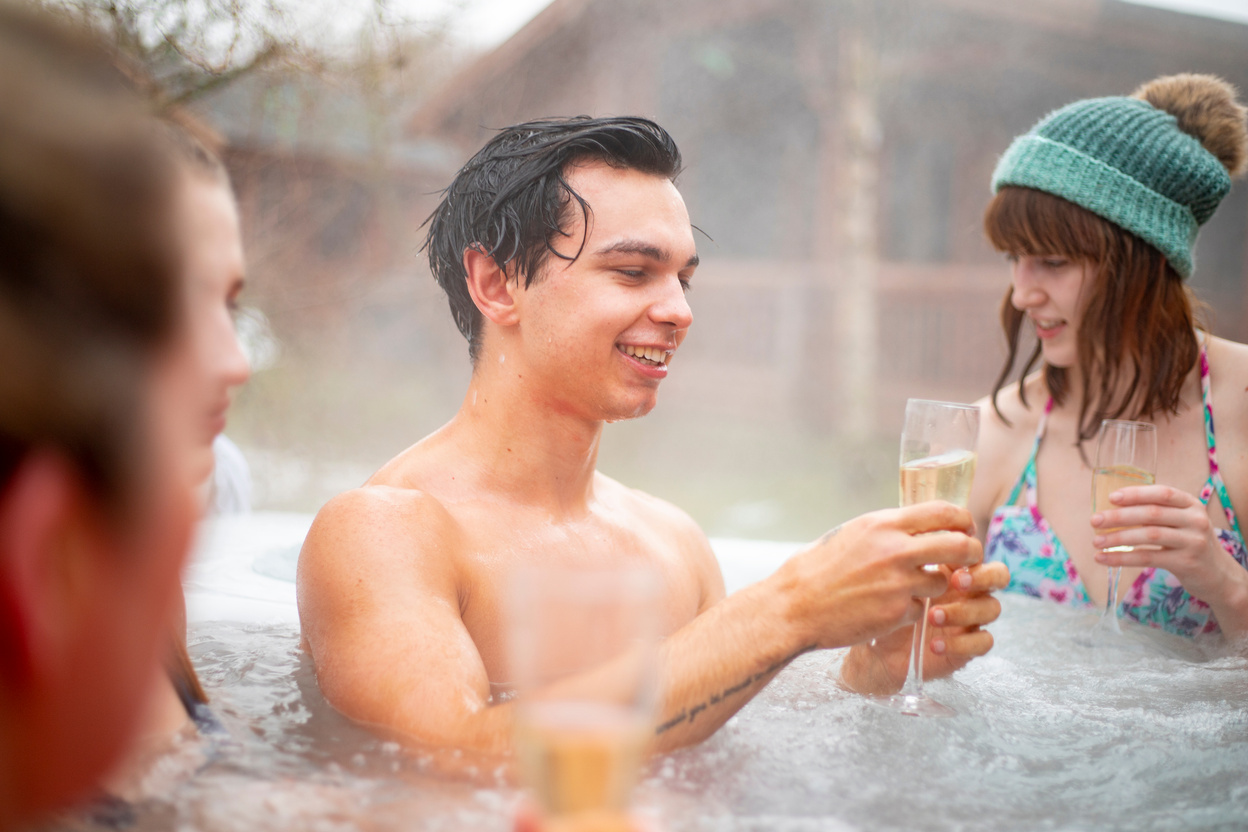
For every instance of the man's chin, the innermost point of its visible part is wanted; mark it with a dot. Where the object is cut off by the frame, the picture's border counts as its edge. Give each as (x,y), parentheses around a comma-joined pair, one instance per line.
(631,411)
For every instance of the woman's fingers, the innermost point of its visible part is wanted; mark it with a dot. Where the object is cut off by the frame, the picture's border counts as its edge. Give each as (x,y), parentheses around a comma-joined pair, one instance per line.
(1154,538)
(966,646)
(987,577)
(982,577)
(1162,495)
(974,611)
(1151,514)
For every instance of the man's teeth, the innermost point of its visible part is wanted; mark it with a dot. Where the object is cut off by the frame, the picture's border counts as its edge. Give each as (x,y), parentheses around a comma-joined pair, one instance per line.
(654,355)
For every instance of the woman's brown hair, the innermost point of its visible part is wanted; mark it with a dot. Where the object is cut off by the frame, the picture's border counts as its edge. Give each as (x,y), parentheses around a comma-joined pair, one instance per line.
(1136,340)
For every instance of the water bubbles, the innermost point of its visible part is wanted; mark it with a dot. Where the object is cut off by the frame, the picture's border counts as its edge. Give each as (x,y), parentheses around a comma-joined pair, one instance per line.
(1049,735)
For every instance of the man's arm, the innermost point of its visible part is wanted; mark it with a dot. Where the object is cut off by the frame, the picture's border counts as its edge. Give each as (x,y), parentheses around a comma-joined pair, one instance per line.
(396,652)
(379,609)
(861,580)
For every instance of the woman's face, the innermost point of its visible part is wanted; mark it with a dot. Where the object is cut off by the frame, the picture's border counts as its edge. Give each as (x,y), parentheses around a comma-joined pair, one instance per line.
(1048,289)
(213,269)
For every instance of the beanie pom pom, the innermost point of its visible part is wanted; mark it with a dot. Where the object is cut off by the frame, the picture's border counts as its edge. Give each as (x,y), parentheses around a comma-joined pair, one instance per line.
(1206,108)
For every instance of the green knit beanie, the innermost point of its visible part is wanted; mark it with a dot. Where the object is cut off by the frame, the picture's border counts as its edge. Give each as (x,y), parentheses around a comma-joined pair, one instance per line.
(1126,161)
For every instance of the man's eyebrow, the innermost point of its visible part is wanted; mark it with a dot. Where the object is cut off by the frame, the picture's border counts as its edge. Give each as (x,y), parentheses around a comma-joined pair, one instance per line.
(647,250)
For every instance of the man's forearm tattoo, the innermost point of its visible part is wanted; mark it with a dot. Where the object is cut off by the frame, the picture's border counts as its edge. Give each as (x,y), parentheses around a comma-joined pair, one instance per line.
(690,714)
(829,535)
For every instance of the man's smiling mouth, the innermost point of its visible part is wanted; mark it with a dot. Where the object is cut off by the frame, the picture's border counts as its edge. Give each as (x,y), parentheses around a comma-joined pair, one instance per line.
(654,356)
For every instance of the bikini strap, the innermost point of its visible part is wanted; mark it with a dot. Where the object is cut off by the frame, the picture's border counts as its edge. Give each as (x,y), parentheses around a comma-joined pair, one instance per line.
(1215,482)
(1027,479)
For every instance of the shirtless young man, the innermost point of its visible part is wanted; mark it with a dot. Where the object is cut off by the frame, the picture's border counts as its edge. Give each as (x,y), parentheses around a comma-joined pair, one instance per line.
(566,252)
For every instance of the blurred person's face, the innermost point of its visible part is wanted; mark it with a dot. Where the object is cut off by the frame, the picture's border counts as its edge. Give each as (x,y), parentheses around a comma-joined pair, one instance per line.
(100,592)
(1049,290)
(209,228)
(588,326)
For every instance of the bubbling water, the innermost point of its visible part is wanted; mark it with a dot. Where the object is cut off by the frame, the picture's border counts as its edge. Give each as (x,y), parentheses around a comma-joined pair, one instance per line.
(1049,734)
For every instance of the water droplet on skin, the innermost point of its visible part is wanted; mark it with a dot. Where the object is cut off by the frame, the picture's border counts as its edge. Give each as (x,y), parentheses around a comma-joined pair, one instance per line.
(474,397)
(502,358)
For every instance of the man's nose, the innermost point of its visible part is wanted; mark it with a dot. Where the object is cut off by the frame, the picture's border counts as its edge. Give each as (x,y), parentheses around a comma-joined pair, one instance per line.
(672,307)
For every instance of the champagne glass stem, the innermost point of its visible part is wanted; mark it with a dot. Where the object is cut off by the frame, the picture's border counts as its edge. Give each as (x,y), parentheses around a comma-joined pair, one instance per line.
(1110,616)
(914,675)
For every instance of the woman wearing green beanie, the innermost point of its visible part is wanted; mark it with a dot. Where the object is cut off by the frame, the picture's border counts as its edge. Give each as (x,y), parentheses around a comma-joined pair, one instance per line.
(1098,208)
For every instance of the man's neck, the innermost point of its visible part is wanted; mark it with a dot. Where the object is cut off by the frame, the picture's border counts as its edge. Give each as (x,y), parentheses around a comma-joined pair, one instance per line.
(527,448)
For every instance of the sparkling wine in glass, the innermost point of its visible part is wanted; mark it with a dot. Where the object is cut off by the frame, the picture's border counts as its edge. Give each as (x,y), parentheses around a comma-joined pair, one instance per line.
(937,463)
(582,645)
(1126,455)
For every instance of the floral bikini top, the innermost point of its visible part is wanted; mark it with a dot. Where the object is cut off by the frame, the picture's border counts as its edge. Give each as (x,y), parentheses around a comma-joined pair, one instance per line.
(1022,539)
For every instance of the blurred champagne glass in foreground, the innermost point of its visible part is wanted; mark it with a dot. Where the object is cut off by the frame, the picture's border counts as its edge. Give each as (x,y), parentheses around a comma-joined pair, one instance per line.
(582,658)
(937,463)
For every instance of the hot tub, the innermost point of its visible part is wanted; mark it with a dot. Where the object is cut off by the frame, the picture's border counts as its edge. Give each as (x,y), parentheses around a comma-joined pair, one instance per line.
(1050,734)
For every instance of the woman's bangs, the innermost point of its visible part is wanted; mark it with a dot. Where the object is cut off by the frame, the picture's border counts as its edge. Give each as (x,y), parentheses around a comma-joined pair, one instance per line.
(1027,221)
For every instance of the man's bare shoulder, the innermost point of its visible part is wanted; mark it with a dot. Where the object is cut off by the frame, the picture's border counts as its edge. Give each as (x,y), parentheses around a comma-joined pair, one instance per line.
(375,527)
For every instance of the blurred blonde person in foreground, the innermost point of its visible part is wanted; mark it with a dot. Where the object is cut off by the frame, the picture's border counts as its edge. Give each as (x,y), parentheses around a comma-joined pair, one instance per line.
(566,251)
(1098,208)
(97,497)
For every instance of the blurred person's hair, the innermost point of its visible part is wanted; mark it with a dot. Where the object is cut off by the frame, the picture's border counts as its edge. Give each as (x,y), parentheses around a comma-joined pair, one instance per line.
(194,144)
(1137,339)
(512,199)
(88,265)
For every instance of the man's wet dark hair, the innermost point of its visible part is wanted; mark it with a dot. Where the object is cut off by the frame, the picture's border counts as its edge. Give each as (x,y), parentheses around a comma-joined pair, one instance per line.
(512,198)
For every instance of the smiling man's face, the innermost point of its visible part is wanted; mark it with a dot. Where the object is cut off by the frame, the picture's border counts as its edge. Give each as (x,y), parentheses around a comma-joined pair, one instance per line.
(598,333)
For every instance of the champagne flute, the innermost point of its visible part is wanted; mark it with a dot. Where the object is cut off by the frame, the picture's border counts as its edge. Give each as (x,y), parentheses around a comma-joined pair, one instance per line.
(1126,455)
(937,463)
(582,656)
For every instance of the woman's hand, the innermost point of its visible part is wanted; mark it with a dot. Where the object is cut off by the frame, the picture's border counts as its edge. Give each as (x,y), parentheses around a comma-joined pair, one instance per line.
(954,634)
(1175,528)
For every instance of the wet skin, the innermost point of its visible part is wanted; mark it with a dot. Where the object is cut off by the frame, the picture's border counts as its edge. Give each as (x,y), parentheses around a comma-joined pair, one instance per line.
(1050,290)
(401,582)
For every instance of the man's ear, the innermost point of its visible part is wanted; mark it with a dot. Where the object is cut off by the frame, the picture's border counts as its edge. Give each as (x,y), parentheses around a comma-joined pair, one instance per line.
(491,290)
(37,508)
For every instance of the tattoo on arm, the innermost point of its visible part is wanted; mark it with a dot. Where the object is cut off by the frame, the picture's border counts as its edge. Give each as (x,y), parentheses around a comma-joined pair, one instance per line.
(829,535)
(689,714)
